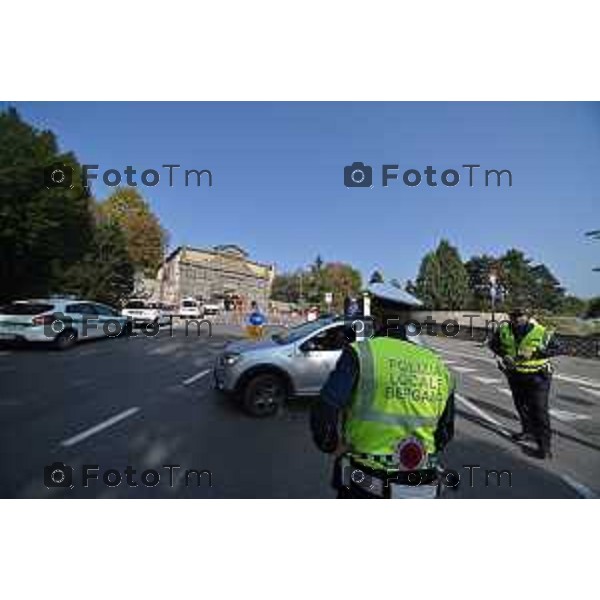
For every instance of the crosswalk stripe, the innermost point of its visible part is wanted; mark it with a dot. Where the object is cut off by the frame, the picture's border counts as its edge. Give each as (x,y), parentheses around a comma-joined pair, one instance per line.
(567,416)
(486,380)
(504,391)
(464,369)
(578,380)
(589,391)
(481,413)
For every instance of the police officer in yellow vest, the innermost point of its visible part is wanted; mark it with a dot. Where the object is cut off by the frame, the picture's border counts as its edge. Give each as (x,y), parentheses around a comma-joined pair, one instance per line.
(525,347)
(394,401)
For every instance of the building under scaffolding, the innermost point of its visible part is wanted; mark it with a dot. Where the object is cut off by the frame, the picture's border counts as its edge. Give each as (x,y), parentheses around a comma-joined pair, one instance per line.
(223,273)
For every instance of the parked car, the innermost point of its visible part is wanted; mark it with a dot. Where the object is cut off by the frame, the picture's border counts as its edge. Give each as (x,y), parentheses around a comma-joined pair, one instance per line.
(59,321)
(296,363)
(143,312)
(212,308)
(190,308)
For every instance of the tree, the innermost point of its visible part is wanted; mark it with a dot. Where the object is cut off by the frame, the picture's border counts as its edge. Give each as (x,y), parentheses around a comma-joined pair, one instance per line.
(376,277)
(443,282)
(286,287)
(145,239)
(339,278)
(518,278)
(105,273)
(342,280)
(593,309)
(428,281)
(479,268)
(573,306)
(453,286)
(42,231)
(547,292)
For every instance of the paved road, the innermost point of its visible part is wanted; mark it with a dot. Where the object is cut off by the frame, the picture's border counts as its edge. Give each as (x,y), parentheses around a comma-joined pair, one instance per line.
(149,402)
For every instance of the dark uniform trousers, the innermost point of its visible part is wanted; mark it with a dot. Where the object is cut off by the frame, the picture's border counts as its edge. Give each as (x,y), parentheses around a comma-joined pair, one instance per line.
(530,393)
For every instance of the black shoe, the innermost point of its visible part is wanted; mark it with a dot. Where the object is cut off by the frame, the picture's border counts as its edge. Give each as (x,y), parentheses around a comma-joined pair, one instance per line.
(541,453)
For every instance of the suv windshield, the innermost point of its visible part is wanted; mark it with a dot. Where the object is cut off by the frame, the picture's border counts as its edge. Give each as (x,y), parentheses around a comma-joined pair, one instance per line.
(25,308)
(297,333)
(136,304)
(189,304)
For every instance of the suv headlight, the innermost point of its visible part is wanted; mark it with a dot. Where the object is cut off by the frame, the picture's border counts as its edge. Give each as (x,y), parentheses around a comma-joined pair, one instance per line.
(231,358)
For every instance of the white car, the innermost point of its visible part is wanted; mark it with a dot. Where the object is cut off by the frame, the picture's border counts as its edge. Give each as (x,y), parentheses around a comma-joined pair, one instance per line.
(212,309)
(190,309)
(60,321)
(143,312)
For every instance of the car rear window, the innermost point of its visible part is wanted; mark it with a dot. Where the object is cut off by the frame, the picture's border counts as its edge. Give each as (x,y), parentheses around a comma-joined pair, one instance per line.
(25,308)
(189,304)
(135,304)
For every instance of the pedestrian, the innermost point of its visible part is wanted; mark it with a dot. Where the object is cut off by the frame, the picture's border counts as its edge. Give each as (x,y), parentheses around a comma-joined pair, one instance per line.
(387,412)
(255,322)
(525,347)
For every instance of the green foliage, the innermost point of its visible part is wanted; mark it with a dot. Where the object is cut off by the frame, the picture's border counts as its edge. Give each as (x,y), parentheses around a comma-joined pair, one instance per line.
(593,308)
(145,239)
(573,307)
(442,282)
(286,287)
(105,273)
(42,231)
(428,281)
(310,285)
(479,269)
(454,282)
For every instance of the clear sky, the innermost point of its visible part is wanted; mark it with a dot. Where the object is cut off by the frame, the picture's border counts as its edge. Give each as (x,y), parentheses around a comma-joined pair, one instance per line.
(278,177)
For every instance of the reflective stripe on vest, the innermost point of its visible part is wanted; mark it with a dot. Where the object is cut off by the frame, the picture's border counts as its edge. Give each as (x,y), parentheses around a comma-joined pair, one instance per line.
(401,393)
(535,339)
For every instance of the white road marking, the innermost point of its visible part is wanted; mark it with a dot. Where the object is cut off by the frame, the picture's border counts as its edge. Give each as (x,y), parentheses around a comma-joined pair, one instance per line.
(504,391)
(196,377)
(486,359)
(100,427)
(583,490)
(486,380)
(5,352)
(567,416)
(464,369)
(578,380)
(449,362)
(481,413)
(593,392)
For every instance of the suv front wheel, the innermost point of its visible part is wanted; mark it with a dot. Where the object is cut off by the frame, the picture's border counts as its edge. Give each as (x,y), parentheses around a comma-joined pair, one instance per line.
(65,339)
(264,394)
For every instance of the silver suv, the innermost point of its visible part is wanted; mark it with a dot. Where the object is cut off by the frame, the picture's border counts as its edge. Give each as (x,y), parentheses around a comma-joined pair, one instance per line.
(297,363)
